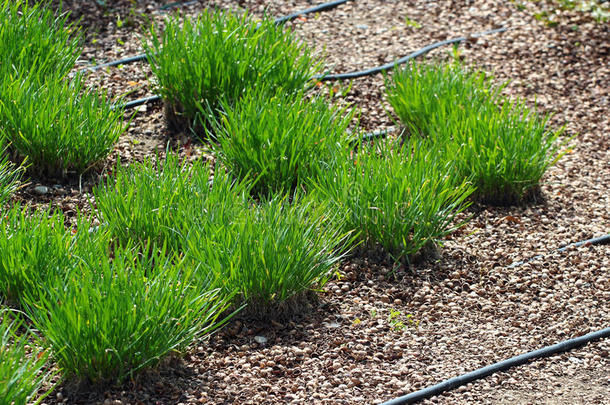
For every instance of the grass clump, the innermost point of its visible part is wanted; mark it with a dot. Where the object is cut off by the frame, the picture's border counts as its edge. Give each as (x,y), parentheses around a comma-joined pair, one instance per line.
(402,197)
(273,252)
(157,203)
(113,317)
(21,368)
(36,249)
(32,36)
(499,145)
(281,140)
(10,177)
(220,55)
(59,126)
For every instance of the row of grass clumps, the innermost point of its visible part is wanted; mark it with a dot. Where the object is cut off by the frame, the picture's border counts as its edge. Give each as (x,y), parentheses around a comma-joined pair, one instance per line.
(182,247)
(47,117)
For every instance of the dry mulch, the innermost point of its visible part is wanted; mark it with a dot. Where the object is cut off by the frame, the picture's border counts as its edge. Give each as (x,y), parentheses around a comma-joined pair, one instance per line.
(379,332)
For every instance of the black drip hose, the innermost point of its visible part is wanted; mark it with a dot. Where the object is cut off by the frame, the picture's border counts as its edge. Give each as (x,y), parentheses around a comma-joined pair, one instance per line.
(601,240)
(177,4)
(388,66)
(497,367)
(280,20)
(361,73)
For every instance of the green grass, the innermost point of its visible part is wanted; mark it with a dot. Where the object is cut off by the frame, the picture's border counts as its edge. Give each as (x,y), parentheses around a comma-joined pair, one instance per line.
(32,36)
(10,176)
(59,125)
(267,252)
(272,253)
(217,57)
(157,203)
(501,146)
(21,367)
(281,140)
(403,198)
(113,316)
(36,249)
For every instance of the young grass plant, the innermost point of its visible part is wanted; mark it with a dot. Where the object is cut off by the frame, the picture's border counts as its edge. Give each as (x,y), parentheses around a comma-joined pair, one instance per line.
(220,55)
(10,177)
(504,151)
(32,36)
(21,374)
(158,203)
(501,146)
(402,197)
(280,140)
(114,317)
(272,253)
(36,249)
(59,126)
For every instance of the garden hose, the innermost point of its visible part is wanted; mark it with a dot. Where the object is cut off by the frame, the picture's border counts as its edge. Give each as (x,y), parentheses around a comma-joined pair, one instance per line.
(500,366)
(361,73)
(280,20)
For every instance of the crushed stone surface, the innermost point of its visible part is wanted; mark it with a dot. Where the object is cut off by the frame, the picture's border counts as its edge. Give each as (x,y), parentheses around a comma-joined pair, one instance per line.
(379,332)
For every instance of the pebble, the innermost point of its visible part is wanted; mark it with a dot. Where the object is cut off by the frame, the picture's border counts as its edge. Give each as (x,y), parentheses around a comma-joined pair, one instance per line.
(260,339)
(41,190)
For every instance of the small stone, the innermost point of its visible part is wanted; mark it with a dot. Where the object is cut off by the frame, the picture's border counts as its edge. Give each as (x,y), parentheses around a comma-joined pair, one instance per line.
(260,340)
(41,190)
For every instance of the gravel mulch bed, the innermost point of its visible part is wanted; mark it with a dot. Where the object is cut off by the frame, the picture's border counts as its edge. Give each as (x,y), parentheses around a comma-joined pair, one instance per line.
(379,332)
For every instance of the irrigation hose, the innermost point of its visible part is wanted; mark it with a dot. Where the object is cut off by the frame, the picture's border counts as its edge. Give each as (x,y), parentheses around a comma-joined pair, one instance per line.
(278,21)
(388,66)
(601,240)
(497,367)
(361,73)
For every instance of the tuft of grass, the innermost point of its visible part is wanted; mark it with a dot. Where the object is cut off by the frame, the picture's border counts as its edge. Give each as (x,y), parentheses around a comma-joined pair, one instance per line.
(220,55)
(32,36)
(112,317)
(499,145)
(157,203)
(36,249)
(10,176)
(280,140)
(21,367)
(402,197)
(273,252)
(58,125)
(504,150)
(422,94)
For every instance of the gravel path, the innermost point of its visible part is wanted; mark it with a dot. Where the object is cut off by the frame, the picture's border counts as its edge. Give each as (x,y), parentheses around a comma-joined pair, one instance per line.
(378,333)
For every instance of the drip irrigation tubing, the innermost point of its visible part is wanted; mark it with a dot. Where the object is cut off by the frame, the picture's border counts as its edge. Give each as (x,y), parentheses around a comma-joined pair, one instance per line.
(361,73)
(601,240)
(277,21)
(422,51)
(455,382)
(177,4)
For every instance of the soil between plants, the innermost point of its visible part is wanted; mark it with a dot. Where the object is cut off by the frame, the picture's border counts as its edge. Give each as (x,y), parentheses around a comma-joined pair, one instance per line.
(380,332)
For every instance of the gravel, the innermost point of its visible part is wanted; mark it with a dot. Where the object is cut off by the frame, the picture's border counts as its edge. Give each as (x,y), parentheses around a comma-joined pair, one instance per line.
(379,331)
